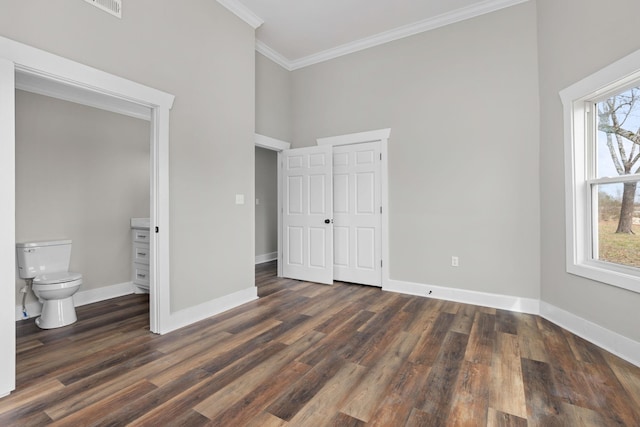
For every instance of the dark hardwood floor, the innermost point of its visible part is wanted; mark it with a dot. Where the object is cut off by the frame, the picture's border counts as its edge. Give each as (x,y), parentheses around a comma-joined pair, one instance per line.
(315,355)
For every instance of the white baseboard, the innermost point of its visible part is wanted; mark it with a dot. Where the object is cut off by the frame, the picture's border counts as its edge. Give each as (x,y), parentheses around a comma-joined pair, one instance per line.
(82,298)
(260,259)
(100,294)
(191,315)
(503,302)
(613,342)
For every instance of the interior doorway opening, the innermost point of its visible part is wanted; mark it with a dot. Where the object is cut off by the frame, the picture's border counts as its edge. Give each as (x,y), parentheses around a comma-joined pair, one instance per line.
(71,80)
(82,174)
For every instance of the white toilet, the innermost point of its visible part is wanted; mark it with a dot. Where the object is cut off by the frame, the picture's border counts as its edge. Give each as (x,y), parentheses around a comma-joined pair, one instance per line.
(47,263)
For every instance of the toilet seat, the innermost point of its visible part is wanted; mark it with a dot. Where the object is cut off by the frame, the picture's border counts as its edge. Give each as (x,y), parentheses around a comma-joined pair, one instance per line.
(56,278)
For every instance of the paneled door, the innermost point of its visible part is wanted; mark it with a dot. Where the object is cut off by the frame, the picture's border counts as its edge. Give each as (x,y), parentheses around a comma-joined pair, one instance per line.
(307,214)
(357,205)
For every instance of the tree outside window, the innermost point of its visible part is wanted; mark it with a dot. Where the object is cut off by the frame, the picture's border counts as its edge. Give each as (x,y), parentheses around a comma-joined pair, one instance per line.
(618,155)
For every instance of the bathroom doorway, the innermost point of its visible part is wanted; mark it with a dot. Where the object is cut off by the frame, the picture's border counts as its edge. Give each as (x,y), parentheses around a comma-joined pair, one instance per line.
(82,173)
(66,79)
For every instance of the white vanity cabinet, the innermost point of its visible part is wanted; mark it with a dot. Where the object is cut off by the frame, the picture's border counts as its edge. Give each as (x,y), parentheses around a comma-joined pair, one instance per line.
(140,258)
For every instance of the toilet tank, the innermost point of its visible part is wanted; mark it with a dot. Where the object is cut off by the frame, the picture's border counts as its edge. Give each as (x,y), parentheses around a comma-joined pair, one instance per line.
(35,258)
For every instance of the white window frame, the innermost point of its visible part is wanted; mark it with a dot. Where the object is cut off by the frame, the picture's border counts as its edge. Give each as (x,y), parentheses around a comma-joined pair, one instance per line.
(579,133)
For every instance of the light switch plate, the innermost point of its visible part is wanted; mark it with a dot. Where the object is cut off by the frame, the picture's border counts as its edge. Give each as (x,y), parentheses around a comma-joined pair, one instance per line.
(239,199)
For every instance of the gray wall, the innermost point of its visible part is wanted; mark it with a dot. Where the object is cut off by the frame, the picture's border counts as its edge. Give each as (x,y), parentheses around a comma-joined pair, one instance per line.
(568,53)
(81,174)
(273,99)
(273,118)
(462,103)
(205,56)
(267,194)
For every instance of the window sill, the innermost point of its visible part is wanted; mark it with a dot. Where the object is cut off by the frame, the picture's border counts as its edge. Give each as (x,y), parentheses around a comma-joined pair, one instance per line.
(609,274)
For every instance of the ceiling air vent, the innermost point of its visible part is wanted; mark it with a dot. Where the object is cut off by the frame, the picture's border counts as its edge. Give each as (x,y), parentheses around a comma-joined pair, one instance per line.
(113,7)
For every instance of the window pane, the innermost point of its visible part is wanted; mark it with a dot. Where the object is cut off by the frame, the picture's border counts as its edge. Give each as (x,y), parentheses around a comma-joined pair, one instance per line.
(618,221)
(618,137)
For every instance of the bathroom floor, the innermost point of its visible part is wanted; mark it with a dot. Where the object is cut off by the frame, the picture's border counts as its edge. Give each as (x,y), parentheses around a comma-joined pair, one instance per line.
(314,355)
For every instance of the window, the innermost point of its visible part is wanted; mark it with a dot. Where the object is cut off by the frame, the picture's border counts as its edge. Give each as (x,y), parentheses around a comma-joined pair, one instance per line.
(602,162)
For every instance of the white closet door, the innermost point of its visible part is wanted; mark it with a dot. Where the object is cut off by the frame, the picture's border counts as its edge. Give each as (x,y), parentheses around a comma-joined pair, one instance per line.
(356,212)
(307,214)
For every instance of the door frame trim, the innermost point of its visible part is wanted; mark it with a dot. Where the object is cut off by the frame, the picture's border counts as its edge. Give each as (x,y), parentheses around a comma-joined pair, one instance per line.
(381,135)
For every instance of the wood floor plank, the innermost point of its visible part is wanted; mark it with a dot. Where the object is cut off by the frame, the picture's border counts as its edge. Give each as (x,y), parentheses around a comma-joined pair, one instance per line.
(330,397)
(203,351)
(318,355)
(96,412)
(425,313)
(471,395)
(265,419)
(506,322)
(399,397)
(603,384)
(437,398)
(381,332)
(340,338)
(367,395)
(500,419)
(481,339)
(303,390)
(252,405)
(463,320)
(627,374)
(190,398)
(36,393)
(231,393)
(431,340)
(543,407)
(507,387)
(343,420)
(419,418)
(131,410)
(584,417)
(100,386)
(529,338)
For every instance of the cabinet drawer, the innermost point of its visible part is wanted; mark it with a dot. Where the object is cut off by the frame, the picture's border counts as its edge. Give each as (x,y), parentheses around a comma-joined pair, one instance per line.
(141,253)
(140,235)
(140,274)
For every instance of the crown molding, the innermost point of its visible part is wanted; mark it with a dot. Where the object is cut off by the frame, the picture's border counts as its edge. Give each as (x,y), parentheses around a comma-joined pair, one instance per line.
(242,12)
(273,55)
(439,21)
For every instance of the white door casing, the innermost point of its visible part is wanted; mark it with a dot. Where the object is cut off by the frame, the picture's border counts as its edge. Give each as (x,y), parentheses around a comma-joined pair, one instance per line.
(357,213)
(307,213)
(7,228)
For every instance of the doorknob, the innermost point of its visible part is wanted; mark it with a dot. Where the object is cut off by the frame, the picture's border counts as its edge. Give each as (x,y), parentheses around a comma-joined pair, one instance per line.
(327,221)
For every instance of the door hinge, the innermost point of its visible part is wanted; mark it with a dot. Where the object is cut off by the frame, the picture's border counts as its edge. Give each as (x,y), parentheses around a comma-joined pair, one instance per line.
(380,156)
(380,263)
(157,229)
(380,209)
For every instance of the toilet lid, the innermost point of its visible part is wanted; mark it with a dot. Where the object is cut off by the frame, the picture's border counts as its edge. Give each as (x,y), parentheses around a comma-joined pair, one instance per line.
(57,277)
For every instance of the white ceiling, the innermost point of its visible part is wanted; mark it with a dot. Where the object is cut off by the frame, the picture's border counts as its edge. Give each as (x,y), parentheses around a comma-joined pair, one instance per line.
(297,33)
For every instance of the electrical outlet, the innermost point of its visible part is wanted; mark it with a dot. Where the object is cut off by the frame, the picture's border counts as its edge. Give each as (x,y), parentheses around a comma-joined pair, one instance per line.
(455,262)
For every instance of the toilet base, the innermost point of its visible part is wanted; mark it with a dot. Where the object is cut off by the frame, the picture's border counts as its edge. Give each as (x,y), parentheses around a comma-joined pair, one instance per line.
(57,313)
